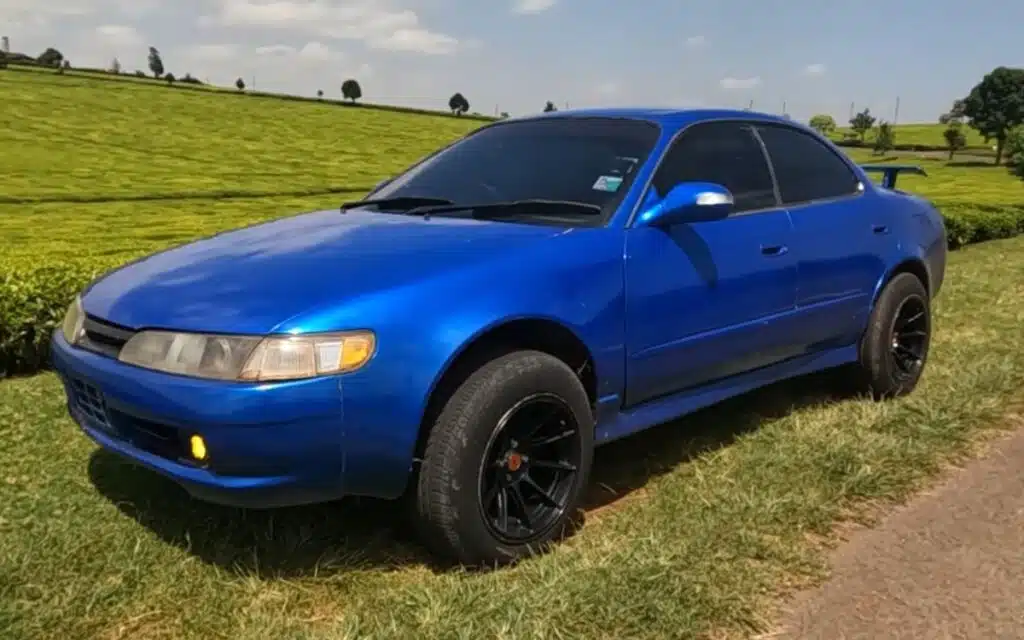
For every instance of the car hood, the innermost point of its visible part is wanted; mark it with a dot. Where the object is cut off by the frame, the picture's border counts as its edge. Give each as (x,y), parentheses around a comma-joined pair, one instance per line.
(254,279)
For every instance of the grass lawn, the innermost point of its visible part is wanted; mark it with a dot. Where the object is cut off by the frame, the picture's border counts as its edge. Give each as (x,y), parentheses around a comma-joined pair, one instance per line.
(930,134)
(69,138)
(694,527)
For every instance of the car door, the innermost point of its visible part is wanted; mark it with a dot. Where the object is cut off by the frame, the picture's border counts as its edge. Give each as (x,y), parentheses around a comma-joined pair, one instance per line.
(841,234)
(704,299)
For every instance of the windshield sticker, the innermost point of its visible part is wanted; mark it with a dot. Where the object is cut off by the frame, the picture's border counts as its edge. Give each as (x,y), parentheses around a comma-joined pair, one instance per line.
(608,183)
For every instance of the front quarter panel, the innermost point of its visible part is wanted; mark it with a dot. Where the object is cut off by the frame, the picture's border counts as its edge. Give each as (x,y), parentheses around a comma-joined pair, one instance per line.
(574,279)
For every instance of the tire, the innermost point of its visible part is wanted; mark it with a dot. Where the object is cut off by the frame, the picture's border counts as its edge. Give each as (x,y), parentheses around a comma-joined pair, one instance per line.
(503,399)
(895,346)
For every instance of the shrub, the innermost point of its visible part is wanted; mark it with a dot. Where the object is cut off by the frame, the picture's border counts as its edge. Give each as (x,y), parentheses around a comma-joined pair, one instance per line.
(32,305)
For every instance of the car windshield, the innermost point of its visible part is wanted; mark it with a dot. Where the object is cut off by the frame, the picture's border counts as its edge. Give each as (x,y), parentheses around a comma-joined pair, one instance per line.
(591,161)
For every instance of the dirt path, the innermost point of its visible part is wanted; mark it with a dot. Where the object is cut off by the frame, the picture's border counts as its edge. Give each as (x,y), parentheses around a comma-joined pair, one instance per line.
(950,564)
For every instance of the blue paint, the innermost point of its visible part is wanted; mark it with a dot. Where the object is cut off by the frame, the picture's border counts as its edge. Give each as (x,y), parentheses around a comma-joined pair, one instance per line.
(675,312)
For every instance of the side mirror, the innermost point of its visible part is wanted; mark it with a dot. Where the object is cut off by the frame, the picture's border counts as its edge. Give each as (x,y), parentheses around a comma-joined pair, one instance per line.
(689,202)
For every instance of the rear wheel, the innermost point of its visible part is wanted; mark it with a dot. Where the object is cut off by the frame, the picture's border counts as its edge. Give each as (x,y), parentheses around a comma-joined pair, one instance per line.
(506,461)
(895,346)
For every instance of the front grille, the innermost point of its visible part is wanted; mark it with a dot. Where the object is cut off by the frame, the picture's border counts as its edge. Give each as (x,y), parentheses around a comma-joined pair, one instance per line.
(89,401)
(156,438)
(103,337)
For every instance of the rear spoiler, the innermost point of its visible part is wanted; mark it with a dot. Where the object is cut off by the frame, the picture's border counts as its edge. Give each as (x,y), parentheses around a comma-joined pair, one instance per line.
(891,171)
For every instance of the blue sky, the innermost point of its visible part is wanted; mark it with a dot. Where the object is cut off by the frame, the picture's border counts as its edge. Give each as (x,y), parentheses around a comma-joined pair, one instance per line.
(514,55)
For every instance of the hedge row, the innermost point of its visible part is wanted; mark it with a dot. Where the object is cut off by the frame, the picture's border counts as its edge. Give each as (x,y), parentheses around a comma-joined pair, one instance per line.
(33,299)
(107,76)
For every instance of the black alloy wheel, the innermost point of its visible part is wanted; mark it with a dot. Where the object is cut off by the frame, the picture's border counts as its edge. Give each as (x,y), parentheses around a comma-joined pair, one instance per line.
(528,476)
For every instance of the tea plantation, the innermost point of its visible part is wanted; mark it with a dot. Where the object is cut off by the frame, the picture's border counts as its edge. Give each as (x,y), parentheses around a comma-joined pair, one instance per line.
(97,172)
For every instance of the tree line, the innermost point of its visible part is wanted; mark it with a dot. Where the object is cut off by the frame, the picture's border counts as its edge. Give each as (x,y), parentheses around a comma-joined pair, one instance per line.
(994,108)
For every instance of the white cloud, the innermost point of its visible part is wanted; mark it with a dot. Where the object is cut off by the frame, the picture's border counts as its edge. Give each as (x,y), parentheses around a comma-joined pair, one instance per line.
(696,41)
(118,35)
(35,12)
(525,7)
(740,83)
(369,21)
(816,69)
(208,52)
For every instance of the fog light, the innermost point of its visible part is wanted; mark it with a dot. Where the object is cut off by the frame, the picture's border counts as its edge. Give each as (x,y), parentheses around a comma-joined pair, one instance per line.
(198,447)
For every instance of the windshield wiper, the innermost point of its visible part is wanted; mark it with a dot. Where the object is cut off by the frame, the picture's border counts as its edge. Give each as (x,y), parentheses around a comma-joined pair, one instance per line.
(399,202)
(511,208)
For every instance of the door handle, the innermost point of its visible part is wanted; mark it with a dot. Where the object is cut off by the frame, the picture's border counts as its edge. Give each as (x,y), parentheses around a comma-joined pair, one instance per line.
(772,251)
(880,229)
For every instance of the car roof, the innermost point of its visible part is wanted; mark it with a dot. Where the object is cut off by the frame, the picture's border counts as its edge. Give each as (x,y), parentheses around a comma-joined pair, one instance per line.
(663,116)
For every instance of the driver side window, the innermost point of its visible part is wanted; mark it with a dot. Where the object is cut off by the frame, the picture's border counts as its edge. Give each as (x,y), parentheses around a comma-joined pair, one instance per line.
(725,153)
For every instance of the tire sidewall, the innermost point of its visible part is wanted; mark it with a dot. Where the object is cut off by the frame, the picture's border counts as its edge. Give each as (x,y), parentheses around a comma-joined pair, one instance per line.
(502,384)
(875,359)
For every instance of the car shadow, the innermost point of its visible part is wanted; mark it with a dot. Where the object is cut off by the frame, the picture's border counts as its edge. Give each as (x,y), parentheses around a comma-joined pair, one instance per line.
(362,533)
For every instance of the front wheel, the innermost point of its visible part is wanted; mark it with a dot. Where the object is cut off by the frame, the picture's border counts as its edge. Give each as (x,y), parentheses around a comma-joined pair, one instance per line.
(895,347)
(506,461)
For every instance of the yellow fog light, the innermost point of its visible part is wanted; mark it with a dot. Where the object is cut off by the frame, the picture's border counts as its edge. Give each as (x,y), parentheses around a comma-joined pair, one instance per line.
(198,447)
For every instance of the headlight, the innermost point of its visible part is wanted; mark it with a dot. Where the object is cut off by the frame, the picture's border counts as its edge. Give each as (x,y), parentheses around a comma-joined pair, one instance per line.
(249,358)
(74,319)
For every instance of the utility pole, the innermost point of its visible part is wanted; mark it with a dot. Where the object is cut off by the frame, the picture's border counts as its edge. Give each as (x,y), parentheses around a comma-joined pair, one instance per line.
(851,111)
(783,107)
(896,113)
(751,107)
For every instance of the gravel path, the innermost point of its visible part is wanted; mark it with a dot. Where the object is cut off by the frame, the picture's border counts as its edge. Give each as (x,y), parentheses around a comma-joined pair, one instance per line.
(950,564)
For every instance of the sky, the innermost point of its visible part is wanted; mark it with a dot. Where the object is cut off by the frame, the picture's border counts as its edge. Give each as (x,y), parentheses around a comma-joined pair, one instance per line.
(514,55)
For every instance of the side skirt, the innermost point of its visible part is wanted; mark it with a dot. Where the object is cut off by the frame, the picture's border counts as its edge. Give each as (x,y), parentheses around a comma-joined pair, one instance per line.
(612,423)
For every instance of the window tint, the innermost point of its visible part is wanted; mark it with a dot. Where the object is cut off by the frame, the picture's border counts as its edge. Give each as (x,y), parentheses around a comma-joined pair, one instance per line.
(722,152)
(590,160)
(805,168)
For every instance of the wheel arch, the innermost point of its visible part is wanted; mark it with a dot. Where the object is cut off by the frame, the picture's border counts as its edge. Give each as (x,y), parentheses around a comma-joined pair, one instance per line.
(913,265)
(533,332)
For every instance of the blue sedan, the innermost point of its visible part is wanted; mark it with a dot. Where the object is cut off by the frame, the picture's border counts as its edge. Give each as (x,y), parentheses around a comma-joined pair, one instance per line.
(472,329)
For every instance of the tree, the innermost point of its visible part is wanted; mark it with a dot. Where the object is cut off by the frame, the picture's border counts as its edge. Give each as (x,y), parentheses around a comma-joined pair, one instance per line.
(885,139)
(240,84)
(504,114)
(458,104)
(824,123)
(954,136)
(115,67)
(1015,151)
(862,123)
(169,78)
(350,90)
(51,57)
(995,106)
(156,63)
(320,93)
(549,107)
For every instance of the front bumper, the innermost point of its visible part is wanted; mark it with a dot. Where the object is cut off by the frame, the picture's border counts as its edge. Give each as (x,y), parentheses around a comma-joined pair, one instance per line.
(269,445)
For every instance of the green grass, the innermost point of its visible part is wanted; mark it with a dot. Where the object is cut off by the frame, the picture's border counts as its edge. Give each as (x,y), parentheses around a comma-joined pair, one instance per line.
(65,138)
(966,180)
(706,521)
(925,134)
